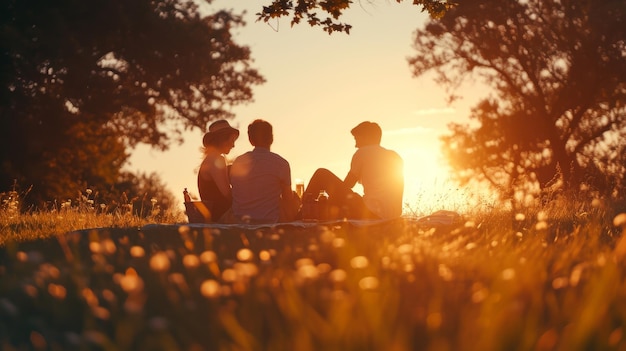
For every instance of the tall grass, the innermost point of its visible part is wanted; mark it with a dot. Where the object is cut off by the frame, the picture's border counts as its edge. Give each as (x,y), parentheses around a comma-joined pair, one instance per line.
(71,215)
(549,277)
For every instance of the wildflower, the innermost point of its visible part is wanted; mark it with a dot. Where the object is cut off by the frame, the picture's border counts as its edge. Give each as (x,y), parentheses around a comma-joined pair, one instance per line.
(338,275)
(210,288)
(244,255)
(229,275)
(95,247)
(308,272)
(100,312)
(368,283)
(304,262)
(405,249)
(57,291)
(445,273)
(246,269)
(323,268)
(191,261)
(137,251)
(153,200)
(559,283)
(620,220)
(88,191)
(542,216)
(359,262)
(160,262)
(131,282)
(90,297)
(108,246)
(542,225)
(264,255)
(508,274)
(208,257)
(338,242)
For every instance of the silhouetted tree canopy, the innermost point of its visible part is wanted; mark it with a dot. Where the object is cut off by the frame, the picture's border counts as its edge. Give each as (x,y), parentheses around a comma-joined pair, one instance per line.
(81,82)
(307,11)
(556,113)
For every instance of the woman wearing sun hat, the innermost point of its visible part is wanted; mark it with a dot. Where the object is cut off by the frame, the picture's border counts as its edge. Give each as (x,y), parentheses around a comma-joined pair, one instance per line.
(213,180)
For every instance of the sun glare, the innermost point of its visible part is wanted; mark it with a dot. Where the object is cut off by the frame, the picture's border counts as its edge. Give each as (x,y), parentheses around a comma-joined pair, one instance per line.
(427,183)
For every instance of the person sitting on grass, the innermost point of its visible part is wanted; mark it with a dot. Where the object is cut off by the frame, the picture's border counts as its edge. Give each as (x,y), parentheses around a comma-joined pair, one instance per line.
(213,180)
(379,170)
(261,181)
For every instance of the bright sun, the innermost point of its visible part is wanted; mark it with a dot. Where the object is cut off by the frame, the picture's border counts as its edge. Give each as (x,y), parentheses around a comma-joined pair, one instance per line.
(427,180)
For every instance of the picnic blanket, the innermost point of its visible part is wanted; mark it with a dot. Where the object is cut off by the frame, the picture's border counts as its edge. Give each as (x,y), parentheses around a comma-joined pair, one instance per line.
(438,218)
(292,224)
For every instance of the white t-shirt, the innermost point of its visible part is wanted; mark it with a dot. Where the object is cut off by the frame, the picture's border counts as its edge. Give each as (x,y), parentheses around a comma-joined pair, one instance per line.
(381,172)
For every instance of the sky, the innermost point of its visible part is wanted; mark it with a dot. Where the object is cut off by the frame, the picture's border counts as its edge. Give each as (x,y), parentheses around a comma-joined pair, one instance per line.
(319,86)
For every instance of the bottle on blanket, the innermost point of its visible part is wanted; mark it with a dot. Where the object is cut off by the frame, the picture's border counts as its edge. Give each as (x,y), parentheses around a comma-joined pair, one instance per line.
(315,208)
(322,206)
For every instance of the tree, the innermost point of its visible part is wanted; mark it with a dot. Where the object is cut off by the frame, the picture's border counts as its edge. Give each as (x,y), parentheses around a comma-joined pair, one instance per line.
(82,82)
(307,10)
(556,114)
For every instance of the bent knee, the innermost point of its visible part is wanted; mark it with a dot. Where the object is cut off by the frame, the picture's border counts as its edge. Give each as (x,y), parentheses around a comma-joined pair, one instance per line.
(322,172)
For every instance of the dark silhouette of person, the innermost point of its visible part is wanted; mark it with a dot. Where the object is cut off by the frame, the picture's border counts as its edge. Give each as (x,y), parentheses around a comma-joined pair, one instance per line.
(378,169)
(213,180)
(261,181)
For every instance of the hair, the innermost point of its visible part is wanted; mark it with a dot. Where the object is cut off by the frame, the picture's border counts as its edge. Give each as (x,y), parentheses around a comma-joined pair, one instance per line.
(260,133)
(218,139)
(369,132)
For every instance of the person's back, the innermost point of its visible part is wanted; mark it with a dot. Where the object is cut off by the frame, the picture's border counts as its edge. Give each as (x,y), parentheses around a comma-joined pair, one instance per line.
(259,178)
(380,171)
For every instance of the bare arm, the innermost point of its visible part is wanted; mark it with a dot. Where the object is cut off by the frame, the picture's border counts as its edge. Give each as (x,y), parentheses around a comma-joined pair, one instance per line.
(220,176)
(350,180)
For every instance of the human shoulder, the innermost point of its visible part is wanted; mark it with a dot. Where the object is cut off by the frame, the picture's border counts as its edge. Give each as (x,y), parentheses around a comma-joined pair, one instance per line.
(279,157)
(271,155)
(243,157)
(212,160)
(394,153)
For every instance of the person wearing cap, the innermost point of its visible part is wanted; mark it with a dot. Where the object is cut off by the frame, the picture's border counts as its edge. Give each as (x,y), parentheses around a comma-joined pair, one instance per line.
(380,172)
(213,181)
(261,181)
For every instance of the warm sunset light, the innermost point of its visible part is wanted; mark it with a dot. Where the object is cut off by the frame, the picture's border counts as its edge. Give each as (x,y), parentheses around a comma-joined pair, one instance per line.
(270,175)
(312,121)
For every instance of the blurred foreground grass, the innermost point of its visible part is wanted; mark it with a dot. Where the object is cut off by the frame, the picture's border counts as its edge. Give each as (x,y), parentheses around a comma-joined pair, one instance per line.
(549,279)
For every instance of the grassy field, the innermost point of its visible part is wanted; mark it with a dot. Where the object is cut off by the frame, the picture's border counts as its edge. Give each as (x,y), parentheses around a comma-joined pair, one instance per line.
(551,278)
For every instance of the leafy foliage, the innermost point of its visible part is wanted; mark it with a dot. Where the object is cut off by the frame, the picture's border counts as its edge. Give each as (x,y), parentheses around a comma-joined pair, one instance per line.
(82,81)
(307,10)
(556,115)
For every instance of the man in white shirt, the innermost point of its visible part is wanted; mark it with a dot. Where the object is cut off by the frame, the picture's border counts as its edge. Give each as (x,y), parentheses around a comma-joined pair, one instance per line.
(379,170)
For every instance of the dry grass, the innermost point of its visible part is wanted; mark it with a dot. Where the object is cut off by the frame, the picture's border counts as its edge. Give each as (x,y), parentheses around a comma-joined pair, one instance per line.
(543,278)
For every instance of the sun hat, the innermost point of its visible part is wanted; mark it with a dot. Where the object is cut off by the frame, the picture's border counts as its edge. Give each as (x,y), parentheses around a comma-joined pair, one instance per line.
(218,129)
